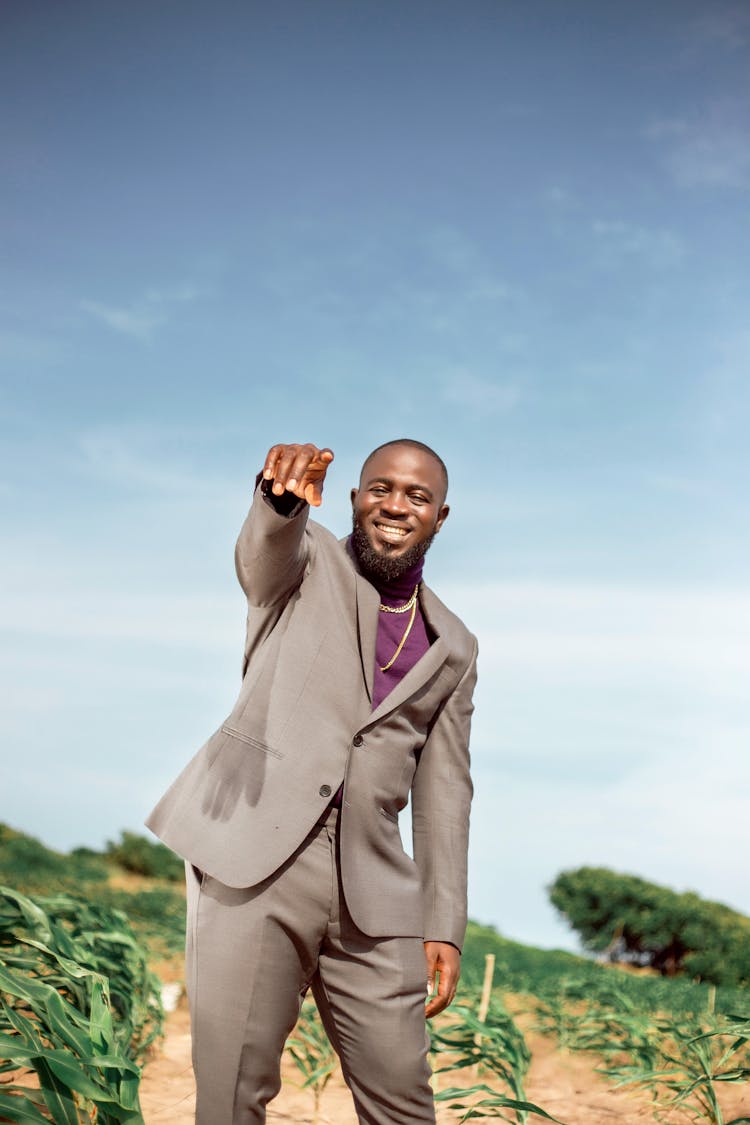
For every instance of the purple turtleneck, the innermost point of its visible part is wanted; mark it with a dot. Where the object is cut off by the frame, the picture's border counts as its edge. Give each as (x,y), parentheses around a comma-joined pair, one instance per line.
(391,628)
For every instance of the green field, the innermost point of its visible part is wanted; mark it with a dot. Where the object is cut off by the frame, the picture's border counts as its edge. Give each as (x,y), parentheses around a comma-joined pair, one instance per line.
(81,935)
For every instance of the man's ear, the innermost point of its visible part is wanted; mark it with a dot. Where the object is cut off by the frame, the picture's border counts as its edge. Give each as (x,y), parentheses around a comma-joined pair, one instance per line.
(442,517)
(353,495)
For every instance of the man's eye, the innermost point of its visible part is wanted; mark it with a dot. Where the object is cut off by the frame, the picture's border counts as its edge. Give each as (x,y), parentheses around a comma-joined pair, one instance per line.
(378,491)
(418,499)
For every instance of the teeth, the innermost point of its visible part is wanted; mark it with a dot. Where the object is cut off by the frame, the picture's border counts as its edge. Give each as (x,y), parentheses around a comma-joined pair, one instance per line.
(388,530)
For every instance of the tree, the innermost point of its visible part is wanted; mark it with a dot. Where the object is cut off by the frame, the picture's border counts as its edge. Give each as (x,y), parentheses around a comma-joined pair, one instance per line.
(634,920)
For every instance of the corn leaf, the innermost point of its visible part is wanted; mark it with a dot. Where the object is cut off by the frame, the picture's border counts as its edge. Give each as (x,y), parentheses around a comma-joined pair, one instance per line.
(20,1109)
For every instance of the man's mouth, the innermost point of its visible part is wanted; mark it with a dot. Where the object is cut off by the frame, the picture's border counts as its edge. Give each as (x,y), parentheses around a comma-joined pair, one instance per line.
(391,532)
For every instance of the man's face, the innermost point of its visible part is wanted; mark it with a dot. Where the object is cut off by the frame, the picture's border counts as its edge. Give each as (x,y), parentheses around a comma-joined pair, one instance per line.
(397,509)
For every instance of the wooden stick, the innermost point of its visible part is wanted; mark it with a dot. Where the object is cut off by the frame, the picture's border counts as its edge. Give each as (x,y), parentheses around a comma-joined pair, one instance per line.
(484,1003)
(489,972)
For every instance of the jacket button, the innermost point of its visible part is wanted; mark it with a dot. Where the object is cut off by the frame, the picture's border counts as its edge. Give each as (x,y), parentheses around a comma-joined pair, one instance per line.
(325,791)
(357,740)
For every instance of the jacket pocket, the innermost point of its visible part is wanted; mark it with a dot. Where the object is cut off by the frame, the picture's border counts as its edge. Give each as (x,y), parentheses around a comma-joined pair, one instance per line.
(248,739)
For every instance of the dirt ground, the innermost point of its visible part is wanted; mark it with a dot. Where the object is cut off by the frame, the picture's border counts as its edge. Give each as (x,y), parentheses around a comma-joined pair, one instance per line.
(562,1083)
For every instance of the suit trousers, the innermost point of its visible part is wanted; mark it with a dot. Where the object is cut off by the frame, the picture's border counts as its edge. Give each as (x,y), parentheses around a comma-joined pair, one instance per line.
(251,956)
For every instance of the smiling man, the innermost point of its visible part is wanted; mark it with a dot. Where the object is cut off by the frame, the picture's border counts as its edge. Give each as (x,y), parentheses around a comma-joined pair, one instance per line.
(398,508)
(356,694)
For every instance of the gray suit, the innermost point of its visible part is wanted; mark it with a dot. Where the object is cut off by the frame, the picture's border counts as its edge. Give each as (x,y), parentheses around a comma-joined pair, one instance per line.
(303,723)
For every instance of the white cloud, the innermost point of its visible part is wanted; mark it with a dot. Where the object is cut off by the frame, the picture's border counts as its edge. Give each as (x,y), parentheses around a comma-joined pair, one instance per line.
(158,459)
(620,240)
(709,159)
(678,821)
(450,248)
(473,393)
(710,150)
(487,289)
(199,620)
(680,485)
(559,197)
(726,27)
(462,259)
(588,630)
(611,728)
(140,317)
(175,294)
(666,127)
(18,347)
(132,321)
(591,682)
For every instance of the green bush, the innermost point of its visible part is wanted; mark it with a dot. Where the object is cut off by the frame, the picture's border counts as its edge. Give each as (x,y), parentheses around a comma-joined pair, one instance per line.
(154,860)
(634,920)
(26,863)
(157,912)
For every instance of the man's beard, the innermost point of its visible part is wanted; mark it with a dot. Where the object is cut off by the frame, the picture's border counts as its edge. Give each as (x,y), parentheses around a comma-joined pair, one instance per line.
(380,569)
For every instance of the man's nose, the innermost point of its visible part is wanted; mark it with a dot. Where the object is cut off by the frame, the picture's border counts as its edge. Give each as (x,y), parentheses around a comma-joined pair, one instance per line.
(394,504)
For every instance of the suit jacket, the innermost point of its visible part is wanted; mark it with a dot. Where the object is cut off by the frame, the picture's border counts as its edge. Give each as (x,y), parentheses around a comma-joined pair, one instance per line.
(303,723)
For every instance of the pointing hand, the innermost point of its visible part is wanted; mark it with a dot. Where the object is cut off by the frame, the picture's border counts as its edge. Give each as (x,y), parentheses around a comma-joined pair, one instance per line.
(299,469)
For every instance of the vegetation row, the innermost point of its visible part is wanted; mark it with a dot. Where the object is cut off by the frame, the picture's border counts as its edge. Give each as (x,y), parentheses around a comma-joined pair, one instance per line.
(79,1008)
(79,1004)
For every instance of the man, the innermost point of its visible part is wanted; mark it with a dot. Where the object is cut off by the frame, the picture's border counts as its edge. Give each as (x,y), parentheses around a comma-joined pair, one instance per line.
(356,692)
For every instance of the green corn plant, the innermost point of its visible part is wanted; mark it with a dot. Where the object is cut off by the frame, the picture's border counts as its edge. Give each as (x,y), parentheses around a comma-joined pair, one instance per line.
(693,1062)
(103,939)
(680,1060)
(616,1035)
(498,1046)
(613,1026)
(157,914)
(545,974)
(78,1006)
(554,1016)
(565,1011)
(312,1053)
(674,1059)
(73,1054)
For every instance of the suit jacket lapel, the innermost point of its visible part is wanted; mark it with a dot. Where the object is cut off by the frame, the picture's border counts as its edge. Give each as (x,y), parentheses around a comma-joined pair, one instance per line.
(413,680)
(425,668)
(368,601)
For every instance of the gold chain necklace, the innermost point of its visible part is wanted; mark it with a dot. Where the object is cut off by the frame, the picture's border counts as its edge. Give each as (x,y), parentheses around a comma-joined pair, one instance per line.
(401,608)
(411,604)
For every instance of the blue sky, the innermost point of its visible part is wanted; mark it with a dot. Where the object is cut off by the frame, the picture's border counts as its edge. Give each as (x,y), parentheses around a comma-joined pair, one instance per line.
(518,232)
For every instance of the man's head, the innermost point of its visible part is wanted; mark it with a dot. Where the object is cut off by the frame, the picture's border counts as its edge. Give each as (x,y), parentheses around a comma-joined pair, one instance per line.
(398,508)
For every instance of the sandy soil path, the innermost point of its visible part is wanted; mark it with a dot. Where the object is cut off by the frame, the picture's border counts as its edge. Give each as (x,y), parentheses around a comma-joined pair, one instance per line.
(562,1083)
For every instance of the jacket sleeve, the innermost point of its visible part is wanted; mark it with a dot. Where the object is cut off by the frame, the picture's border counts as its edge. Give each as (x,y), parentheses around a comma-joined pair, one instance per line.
(441,800)
(272,550)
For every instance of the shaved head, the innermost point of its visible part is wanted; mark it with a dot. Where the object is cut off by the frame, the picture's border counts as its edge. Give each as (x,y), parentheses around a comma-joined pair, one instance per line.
(410,443)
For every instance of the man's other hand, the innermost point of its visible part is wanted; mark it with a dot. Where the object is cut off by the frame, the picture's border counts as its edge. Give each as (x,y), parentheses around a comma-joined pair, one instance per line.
(444,959)
(299,469)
